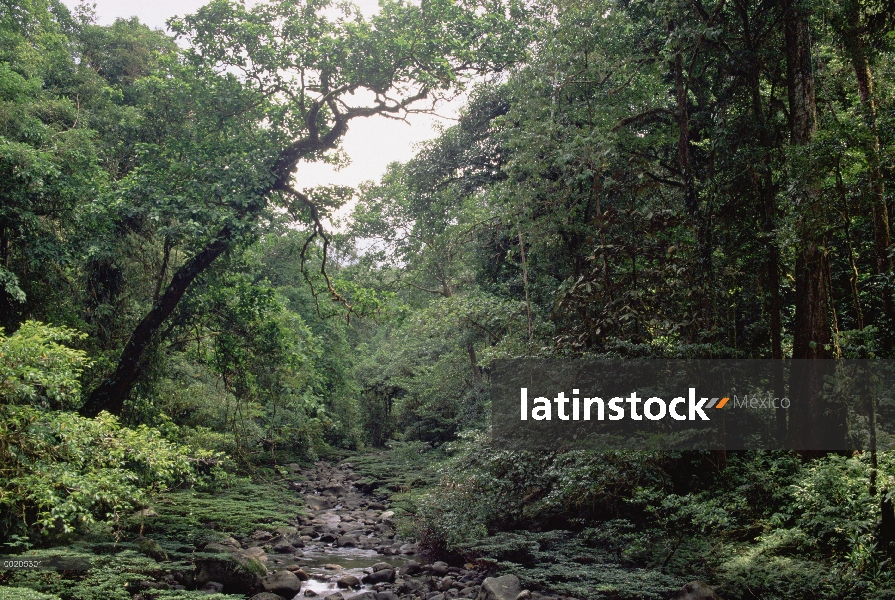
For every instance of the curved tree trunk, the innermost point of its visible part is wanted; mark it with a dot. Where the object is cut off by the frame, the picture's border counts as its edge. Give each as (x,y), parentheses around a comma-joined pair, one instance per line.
(112,392)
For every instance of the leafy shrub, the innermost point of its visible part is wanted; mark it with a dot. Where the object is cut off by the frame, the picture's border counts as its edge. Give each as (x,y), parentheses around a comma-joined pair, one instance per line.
(832,501)
(62,471)
(65,471)
(36,368)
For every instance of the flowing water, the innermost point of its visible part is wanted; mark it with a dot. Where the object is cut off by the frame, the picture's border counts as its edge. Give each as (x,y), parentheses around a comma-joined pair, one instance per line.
(326,564)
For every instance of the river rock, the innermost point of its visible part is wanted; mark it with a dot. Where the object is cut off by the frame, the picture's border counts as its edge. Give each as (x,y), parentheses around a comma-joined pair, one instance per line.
(284,583)
(237,573)
(412,567)
(256,552)
(334,490)
(440,568)
(298,572)
(317,503)
(213,587)
(696,590)
(506,587)
(381,566)
(284,547)
(348,581)
(267,596)
(381,576)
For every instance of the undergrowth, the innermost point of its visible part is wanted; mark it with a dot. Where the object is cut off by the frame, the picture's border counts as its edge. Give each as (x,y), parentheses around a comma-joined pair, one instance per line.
(145,548)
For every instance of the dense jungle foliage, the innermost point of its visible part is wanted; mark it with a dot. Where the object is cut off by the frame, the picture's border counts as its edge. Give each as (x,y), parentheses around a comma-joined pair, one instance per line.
(628,179)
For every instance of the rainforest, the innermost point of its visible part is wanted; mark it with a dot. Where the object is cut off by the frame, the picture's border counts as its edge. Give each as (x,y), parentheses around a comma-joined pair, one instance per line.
(220,381)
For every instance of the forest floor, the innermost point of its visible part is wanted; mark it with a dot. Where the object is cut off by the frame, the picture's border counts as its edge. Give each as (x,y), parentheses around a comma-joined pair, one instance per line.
(322,531)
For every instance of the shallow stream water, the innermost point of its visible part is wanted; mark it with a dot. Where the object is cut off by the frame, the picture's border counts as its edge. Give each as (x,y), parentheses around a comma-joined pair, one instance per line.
(318,562)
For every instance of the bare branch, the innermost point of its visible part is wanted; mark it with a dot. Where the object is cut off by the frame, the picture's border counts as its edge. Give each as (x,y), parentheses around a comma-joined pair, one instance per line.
(317,231)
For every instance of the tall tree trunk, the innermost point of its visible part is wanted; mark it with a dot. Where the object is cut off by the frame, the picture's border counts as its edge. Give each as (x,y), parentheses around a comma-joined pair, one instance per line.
(811,420)
(691,199)
(111,393)
(876,189)
(767,201)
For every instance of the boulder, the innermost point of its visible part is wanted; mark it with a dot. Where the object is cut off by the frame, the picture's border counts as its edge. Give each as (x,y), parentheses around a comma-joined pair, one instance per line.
(237,573)
(256,552)
(696,590)
(317,503)
(335,596)
(151,549)
(348,581)
(267,596)
(386,596)
(414,586)
(284,583)
(381,576)
(335,490)
(506,587)
(298,572)
(381,566)
(284,547)
(412,567)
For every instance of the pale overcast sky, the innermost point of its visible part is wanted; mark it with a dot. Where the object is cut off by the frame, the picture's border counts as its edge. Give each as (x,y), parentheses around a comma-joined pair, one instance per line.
(371,143)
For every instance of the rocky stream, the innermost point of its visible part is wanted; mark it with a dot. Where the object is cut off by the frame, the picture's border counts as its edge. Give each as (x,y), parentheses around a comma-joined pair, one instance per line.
(346,547)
